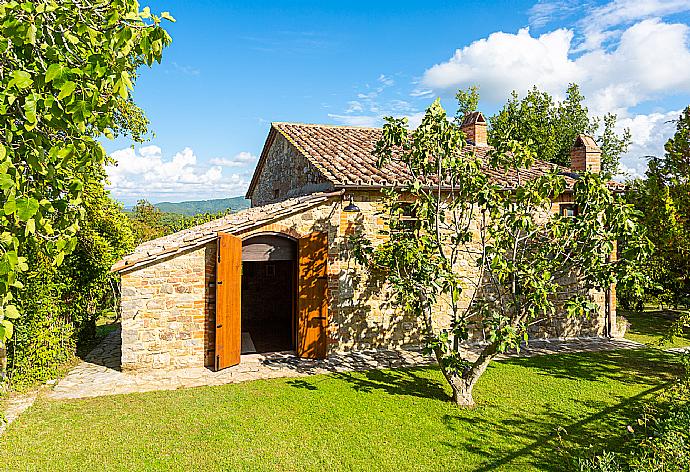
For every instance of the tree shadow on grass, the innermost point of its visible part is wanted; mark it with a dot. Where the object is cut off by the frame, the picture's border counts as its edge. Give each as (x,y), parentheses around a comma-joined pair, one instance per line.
(551,435)
(630,366)
(545,433)
(653,323)
(551,438)
(407,381)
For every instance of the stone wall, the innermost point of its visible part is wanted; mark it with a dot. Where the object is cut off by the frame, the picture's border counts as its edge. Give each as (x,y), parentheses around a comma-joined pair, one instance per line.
(364,317)
(169,307)
(165,312)
(285,174)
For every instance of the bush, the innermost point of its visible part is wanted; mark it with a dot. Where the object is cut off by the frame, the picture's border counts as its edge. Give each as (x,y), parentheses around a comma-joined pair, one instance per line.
(59,305)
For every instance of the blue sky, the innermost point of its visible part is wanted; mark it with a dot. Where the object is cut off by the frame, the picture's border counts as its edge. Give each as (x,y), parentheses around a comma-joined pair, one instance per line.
(234,67)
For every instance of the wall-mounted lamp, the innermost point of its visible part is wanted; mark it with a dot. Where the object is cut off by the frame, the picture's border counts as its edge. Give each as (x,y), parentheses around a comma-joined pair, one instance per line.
(351,207)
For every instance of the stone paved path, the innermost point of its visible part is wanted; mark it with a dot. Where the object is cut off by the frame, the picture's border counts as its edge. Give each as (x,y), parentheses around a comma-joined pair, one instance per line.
(15,406)
(99,373)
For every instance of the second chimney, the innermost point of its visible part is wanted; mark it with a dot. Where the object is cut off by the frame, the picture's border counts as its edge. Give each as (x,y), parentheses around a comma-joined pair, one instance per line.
(474,127)
(585,156)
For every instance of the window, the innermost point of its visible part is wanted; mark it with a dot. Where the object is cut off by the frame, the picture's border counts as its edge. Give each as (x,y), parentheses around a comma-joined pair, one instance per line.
(568,209)
(408,218)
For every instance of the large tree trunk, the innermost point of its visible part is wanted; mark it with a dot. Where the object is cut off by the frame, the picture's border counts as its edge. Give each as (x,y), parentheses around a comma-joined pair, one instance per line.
(463,383)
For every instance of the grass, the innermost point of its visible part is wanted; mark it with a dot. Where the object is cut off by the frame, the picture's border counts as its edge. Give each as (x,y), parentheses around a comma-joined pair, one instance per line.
(533,414)
(649,326)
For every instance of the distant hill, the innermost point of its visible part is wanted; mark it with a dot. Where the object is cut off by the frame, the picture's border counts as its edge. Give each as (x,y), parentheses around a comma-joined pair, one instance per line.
(192,208)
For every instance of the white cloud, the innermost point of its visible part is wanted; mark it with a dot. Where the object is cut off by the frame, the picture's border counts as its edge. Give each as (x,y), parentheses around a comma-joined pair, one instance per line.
(424,93)
(146,173)
(374,103)
(239,160)
(622,54)
(651,60)
(354,106)
(385,80)
(649,134)
(504,62)
(367,121)
(546,11)
(602,23)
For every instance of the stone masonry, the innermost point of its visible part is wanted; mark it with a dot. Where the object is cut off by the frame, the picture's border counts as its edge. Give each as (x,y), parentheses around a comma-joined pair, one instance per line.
(306,175)
(286,174)
(169,306)
(164,312)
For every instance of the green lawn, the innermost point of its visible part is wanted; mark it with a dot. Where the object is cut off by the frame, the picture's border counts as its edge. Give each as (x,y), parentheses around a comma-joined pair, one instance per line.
(649,326)
(533,414)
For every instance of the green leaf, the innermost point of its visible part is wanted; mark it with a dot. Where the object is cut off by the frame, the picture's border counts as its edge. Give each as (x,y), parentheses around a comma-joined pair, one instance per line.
(10,206)
(3,152)
(30,227)
(54,71)
(21,79)
(31,34)
(8,328)
(26,207)
(166,15)
(6,181)
(11,312)
(67,89)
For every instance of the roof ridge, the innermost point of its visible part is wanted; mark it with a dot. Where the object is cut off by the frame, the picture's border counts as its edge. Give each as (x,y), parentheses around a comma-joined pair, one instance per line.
(325,125)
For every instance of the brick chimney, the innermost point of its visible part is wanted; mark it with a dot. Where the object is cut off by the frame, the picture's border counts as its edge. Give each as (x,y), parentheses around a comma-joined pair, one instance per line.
(474,127)
(585,155)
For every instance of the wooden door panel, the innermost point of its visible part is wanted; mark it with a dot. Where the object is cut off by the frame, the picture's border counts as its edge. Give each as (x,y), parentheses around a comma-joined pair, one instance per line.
(312,283)
(228,301)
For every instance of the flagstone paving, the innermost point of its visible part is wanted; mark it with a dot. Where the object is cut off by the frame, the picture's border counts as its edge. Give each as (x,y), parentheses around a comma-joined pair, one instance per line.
(99,374)
(15,405)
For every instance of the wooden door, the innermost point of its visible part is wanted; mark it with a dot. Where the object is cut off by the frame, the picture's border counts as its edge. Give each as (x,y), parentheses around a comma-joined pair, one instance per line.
(228,301)
(312,306)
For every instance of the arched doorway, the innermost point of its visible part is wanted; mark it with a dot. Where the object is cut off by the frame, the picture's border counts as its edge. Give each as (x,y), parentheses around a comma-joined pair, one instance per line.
(269,270)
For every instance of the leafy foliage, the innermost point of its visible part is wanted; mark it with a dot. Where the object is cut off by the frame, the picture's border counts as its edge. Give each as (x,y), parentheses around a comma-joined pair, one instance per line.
(59,305)
(492,255)
(664,198)
(149,222)
(66,71)
(549,128)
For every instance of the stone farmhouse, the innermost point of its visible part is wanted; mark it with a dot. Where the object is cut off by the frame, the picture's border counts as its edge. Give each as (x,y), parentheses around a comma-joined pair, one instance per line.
(279,276)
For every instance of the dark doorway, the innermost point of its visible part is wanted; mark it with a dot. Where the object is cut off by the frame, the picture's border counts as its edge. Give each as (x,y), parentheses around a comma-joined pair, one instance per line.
(268,286)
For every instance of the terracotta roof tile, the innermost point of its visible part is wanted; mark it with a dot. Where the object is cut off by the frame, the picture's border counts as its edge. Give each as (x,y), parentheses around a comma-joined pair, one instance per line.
(343,154)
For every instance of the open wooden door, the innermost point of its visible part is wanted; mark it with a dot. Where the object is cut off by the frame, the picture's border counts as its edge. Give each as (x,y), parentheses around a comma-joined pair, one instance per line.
(228,301)
(312,293)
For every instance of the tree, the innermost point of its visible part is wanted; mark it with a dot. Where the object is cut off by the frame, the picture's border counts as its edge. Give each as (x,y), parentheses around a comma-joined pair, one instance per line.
(664,198)
(468,101)
(59,305)
(496,259)
(549,128)
(66,71)
(147,222)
